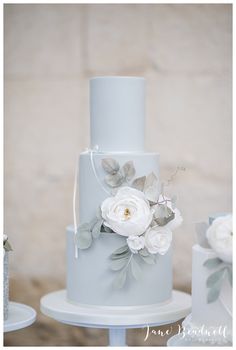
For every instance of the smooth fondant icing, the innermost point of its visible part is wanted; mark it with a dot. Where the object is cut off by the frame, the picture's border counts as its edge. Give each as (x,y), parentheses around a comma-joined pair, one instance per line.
(117,112)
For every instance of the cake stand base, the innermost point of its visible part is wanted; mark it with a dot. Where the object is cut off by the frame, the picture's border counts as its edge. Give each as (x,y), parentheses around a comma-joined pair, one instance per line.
(116,319)
(19,316)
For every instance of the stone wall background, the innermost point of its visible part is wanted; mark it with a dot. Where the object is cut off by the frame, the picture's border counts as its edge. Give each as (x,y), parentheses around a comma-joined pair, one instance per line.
(50,52)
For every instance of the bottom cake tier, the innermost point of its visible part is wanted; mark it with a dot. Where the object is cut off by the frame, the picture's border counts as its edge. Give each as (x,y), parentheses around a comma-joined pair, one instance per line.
(89,278)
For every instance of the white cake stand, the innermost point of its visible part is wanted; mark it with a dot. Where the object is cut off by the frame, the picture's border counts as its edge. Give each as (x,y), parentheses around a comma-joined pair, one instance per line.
(19,316)
(116,319)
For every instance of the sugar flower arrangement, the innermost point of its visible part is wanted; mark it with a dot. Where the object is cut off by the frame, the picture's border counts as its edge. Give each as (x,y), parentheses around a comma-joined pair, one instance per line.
(139,211)
(218,237)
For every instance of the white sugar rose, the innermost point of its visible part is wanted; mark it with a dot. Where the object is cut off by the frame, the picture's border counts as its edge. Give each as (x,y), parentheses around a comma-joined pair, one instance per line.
(135,243)
(220,237)
(158,240)
(128,213)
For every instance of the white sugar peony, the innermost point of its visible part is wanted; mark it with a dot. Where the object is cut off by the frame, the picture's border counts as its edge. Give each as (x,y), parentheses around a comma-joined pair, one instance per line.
(128,213)
(135,243)
(158,240)
(220,237)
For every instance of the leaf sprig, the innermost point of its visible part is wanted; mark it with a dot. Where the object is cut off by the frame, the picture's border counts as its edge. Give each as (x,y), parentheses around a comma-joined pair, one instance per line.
(124,261)
(215,280)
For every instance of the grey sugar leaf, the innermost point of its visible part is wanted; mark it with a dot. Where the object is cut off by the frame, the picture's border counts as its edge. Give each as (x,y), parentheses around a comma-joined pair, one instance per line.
(149,259)
(213,293)
(92,223)
(7,246)
(214,278)
(135,268)
(230,275)
(106,229)
(97,229)
(128,170)
(122,255)
(118,264)
(114,180)
(84,239)
(110,165)
(121,250)
(120,279)
(84,227)
(151,188)
(99,213)
(212,263)
(139,183)
(163,215)
(144,252)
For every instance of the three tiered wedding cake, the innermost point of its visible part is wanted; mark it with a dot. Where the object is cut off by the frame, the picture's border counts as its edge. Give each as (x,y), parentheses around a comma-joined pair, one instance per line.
(120,254)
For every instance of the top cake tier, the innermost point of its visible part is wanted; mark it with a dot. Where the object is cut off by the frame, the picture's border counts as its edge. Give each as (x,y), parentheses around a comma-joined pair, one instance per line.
(117,112)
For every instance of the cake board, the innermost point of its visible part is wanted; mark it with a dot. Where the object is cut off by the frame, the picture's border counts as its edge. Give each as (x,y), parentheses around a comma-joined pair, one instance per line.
(115,319)
(20,316)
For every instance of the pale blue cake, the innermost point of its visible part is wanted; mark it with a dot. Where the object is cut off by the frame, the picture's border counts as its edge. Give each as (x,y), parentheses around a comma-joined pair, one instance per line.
(117,119)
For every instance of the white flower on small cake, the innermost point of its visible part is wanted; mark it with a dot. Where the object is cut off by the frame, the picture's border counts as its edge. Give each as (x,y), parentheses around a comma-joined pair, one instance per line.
(158,240)
(128,213)
(220,237)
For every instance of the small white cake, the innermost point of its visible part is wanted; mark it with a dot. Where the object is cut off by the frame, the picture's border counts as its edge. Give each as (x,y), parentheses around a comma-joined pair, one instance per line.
(211,318)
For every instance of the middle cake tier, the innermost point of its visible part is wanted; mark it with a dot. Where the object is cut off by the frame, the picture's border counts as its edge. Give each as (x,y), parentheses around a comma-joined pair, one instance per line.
(89,278)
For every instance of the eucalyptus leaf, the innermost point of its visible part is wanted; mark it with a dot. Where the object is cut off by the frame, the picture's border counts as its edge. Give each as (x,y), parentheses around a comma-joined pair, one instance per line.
(120,279)
(118,264)
(92,223)
(84,227)
(212,263)
(213,293)
(135,268)
(99,213)
(121,250)
(163,214)
(230,275)
(106,229)
(144,252)
(214,278)
(149,259)
(84,239)
(110,165)
(151,188)
(128,170)
(139,183)
(114,180)
(97,229)
(121,256)
(7,246)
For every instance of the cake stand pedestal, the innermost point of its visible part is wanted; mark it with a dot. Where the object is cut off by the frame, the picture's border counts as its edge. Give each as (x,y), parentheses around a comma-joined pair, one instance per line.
(116,319)
(19,316)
